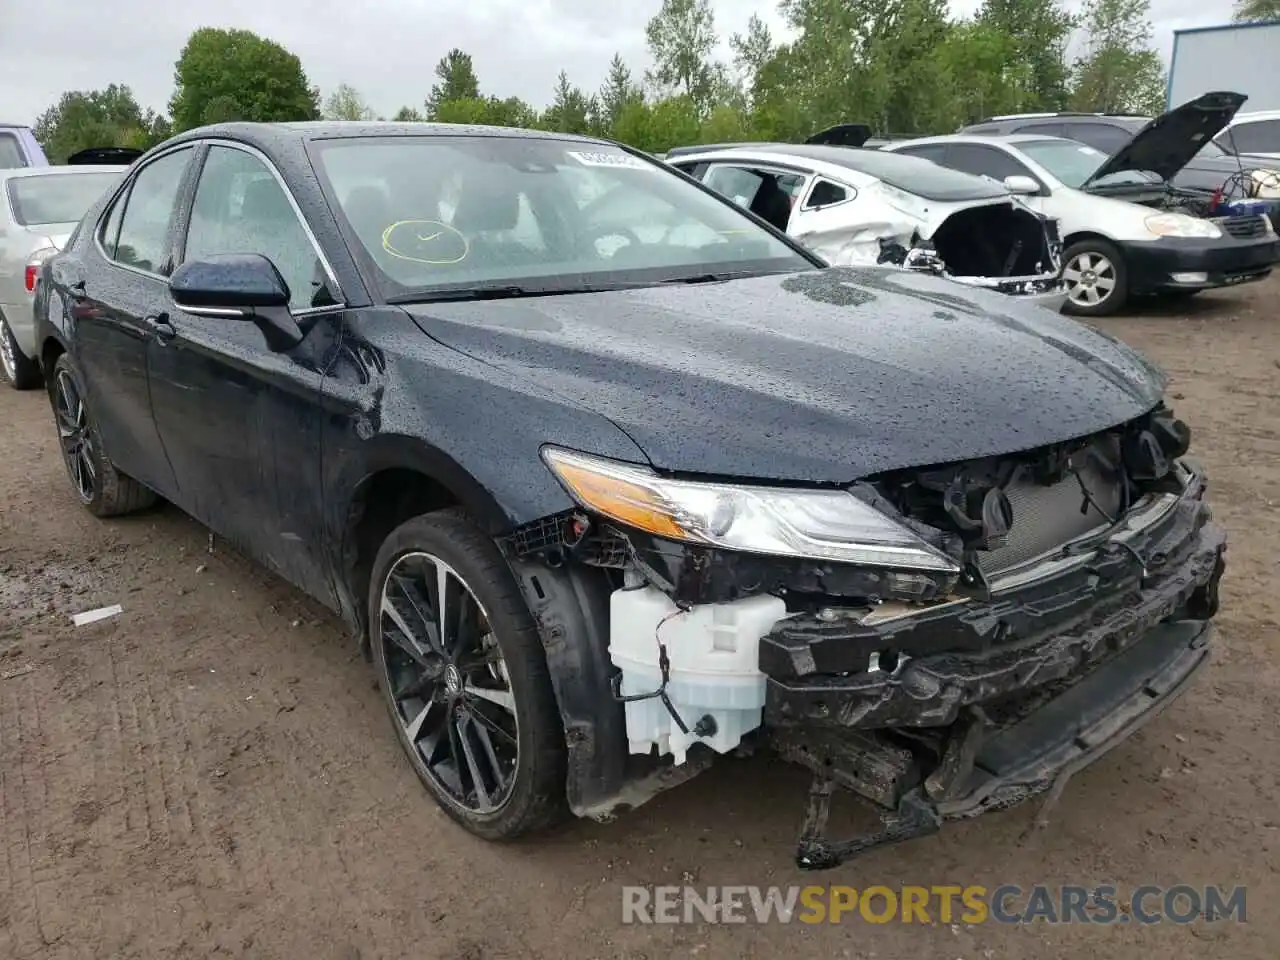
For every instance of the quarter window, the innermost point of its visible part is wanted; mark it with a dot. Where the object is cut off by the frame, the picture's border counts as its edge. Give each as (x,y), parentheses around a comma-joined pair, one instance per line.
(825,193)
(240,207)
(139,235)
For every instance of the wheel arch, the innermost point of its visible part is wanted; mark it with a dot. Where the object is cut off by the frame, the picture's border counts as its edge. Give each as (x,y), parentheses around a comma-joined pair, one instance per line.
(398,477)
(1079,235)
(403,477)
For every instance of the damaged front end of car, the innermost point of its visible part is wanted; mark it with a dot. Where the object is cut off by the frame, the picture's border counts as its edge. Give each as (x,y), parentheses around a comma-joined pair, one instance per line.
(940,642)
(1003,246)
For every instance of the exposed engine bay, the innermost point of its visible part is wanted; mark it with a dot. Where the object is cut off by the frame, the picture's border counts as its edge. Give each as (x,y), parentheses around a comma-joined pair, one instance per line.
(1079,574)
(1002,246)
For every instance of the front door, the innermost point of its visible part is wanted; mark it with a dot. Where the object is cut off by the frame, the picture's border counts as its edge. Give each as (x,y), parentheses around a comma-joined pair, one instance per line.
(240,421)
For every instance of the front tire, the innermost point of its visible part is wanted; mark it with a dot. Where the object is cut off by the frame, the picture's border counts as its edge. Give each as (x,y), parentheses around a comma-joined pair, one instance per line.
(1096,278)
(21,371)
(463,674)
(103,490)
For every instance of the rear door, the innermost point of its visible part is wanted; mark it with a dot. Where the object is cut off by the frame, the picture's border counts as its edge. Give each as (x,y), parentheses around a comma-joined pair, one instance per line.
(241,422)
(122,283)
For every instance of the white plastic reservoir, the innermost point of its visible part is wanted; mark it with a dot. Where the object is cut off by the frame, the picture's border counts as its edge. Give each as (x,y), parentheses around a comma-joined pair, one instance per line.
(713,650)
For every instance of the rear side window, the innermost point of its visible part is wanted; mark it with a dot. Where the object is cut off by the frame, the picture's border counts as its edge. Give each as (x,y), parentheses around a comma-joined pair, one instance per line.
(1100,136)
(1044,129)
(139,236)
(10,152)
(984,161)
(58,198)
(929,151)
(1261,136)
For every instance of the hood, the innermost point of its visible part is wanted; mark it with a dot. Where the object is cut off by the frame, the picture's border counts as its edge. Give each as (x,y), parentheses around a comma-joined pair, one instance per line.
(1171,141)
(824,376)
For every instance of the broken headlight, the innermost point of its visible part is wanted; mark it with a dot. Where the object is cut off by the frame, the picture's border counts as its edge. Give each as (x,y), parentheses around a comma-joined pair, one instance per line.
(781,521)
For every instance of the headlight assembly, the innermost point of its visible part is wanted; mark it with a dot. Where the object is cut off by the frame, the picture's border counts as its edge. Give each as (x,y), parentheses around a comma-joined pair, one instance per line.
(780,521)
(1181,225)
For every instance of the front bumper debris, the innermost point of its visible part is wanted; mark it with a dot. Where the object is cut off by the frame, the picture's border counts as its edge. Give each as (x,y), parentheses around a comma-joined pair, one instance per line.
(1037,754)
(948,711)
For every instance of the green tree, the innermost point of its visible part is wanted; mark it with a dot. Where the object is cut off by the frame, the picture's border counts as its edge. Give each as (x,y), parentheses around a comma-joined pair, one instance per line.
(633,124)
(682,38)
(673,122)
(1250,11)
(98,118)
(237,75)
(617,92)
(982,78)
(725,124)
(1039,31)
(1119,72)
(345,103)
(570,111)
(751,52)
(408,115)
(457,76)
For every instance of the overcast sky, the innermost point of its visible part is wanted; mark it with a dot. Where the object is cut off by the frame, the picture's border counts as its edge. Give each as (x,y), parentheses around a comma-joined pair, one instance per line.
(387,49)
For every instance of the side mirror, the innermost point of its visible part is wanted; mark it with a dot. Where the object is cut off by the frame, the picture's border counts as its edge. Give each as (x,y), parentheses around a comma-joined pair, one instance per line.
(229,284)
(1021,185)
(238,286)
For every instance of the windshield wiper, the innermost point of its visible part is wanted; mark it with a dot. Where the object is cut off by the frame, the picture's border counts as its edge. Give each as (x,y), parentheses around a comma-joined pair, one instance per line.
(711,277)
(504,292)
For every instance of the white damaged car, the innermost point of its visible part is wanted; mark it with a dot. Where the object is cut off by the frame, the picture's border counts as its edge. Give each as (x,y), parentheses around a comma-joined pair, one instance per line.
(856,207)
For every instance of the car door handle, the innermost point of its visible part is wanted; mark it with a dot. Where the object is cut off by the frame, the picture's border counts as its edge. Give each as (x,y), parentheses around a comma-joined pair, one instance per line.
(77,292)
(160,326)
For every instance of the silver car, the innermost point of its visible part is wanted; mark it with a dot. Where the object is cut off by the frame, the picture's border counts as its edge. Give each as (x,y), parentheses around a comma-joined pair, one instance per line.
(39,208)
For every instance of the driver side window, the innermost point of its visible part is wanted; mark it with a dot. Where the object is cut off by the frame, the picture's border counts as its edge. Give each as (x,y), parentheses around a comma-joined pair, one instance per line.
(240,207)
(767,194)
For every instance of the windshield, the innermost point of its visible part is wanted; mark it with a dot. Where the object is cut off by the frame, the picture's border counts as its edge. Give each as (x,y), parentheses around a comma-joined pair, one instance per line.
(1073,163)
(57,198)
(444,212)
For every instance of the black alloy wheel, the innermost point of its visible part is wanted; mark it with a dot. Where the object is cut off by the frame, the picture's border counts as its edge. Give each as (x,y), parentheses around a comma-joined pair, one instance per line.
(464,677)
(100,487)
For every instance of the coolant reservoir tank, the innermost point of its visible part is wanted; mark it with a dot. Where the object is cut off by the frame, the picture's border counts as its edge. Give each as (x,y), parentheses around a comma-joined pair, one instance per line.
(713,651)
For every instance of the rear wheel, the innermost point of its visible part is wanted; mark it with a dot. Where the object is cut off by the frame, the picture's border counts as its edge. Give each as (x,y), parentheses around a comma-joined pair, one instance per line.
(1096,278)
(104,490)
(21,371)
(464,677)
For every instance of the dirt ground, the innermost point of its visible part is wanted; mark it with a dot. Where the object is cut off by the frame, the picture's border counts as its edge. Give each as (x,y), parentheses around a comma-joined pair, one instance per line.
(212,774)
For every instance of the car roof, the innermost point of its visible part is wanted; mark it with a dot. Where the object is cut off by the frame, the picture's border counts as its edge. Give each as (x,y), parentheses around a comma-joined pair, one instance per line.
(265,134)
(984,138)
(1254,115)
(912,174)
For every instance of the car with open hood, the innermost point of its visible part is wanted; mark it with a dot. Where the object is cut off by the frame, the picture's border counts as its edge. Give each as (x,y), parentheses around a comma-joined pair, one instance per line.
(1196,145)
(1126,230)
(855,206)
(609,478)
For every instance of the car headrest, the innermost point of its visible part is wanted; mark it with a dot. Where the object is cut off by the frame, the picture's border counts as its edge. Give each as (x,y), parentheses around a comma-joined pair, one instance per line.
(487,203)
(265,202)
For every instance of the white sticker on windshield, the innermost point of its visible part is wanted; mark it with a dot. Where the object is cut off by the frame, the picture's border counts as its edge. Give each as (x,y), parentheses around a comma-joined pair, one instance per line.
(593,159)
